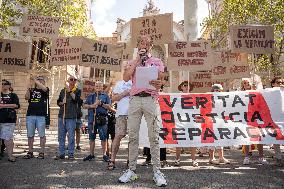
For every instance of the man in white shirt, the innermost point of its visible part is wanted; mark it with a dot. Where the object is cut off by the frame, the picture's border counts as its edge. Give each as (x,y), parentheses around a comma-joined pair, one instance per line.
(121,94)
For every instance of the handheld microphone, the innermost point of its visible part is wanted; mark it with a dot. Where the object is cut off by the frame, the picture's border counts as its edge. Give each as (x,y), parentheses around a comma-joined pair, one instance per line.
(143,56)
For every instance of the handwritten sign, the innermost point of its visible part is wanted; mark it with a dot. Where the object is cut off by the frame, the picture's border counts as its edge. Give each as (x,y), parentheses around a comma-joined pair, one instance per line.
(200,76)
(190,56)
(158,27)
(221,119)
(40,26)
(228,65)
(66,51)
(14,55)
(127,52)
(88,88)
(101,55)
(252,39)
(203,81)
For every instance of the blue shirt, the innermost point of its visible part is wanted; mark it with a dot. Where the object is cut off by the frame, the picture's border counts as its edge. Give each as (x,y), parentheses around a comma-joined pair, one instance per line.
(91,99)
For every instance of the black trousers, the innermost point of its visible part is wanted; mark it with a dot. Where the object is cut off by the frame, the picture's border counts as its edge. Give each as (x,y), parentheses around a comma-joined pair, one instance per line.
(163,154)
(2,146)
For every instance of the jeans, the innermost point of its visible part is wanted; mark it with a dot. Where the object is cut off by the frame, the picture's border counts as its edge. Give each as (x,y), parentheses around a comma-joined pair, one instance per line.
(68,127)
(33,123)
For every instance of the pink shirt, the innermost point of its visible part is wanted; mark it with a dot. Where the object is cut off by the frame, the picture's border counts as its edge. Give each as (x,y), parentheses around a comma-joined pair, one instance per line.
(150,62)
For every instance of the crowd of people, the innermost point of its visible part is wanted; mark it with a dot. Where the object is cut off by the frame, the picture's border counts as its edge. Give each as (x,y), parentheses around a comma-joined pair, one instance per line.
(113,112)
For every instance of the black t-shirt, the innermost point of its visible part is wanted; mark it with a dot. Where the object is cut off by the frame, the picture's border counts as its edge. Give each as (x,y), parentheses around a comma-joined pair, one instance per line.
(111,117)
(37,102)
(8,115)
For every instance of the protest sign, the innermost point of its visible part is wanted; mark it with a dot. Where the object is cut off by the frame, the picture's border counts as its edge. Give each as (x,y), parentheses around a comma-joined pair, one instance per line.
(251,39)
(190,56)
(221,119)
(228,65)
(127,52)
(14,55)
(88,88)
(203,81)
(66,51)
(40,26)
(101,55)
(158,27)
(206,85)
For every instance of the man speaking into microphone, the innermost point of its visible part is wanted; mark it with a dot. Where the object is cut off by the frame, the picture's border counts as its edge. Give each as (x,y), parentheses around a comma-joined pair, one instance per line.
(143,101)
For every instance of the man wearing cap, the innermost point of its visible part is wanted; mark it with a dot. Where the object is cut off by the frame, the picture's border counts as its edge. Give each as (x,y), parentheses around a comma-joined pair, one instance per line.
(37,97)
(143,101)
(8,103)
(68,102)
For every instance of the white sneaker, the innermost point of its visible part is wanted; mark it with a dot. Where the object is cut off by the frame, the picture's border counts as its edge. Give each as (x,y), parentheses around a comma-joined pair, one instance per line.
(246,161)
(159,179)
(263,161)
(224,160)
(128,176)
(177,163)
(194,163)
(214,161)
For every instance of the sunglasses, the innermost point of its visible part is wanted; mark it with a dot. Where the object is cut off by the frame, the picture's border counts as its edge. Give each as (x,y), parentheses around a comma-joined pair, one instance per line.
(185,85)
(72,79)
(279,82)
(5,84)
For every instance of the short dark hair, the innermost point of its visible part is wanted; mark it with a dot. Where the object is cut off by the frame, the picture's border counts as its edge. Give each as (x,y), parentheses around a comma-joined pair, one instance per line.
(274,80)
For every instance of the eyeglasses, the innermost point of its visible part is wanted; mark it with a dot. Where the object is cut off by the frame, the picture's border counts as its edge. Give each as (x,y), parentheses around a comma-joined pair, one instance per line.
(185,85)
(72,79)
(279,82)
(5,84)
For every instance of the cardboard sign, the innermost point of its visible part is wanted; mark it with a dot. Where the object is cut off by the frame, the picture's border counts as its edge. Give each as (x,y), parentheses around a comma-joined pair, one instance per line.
(252,39)
(202,82)
(40,26)
(228,65)
(127,52)
(14,55)
(158,27)
(66,51)
(88,88)
(221,119)
(190,56)
(112,40)
(101,55)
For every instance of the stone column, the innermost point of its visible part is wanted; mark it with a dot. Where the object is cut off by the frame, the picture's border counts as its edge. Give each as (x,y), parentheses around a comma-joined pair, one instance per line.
(190,26)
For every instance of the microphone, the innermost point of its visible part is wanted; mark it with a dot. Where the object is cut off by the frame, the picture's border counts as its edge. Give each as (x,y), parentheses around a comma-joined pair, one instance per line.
(143,56)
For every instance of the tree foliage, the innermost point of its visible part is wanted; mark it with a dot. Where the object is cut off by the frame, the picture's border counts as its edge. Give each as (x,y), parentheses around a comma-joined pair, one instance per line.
(262,12)
(9,14)
(72,13)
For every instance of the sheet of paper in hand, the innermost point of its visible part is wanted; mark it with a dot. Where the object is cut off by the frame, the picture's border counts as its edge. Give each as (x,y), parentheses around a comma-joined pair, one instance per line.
(144,75)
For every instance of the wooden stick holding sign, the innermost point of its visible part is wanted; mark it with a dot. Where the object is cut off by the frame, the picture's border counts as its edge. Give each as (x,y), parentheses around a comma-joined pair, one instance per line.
(65,95)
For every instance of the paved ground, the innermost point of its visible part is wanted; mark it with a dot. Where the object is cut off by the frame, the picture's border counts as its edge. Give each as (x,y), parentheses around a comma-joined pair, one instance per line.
(48,173)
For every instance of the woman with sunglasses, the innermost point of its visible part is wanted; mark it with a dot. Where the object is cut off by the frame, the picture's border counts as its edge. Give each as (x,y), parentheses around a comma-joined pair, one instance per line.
(9,102)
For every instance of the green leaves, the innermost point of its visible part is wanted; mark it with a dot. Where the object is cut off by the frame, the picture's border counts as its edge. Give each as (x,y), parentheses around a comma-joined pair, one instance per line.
(233,12)
(73,14)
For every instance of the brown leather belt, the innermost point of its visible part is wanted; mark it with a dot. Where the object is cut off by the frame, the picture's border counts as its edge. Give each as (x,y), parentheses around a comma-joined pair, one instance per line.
(143,94)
